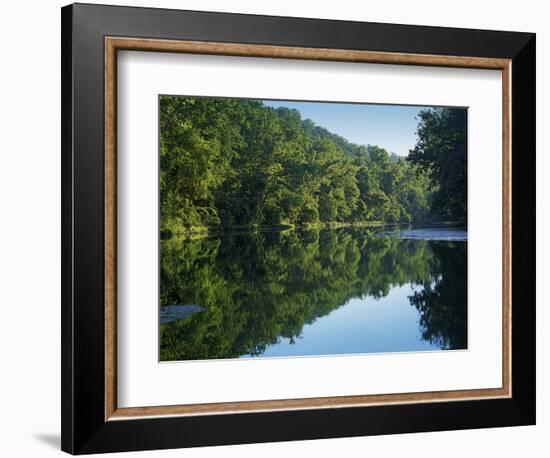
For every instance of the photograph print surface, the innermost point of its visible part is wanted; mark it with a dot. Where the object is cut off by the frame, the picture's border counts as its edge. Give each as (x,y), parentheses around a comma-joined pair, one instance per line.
(294,228)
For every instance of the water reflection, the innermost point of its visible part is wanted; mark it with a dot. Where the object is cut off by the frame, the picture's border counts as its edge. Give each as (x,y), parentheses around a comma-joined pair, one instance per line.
(314,292)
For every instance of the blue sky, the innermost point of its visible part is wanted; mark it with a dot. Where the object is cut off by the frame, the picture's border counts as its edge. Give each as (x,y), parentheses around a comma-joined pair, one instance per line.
(391,127)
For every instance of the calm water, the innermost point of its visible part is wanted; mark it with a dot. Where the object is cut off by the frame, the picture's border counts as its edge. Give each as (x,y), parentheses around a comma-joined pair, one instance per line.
(314,292)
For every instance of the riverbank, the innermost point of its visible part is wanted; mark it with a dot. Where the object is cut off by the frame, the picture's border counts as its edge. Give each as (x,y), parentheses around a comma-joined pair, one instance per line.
(199,232)
(203,231)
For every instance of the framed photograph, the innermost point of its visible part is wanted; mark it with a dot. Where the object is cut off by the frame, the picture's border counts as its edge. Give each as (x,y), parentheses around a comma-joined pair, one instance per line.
(284,228)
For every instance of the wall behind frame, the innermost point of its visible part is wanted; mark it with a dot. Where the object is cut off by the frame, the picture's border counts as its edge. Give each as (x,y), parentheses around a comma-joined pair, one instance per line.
(30,229)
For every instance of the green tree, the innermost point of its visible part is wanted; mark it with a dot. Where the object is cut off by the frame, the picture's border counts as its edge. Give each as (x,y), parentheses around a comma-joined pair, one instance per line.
(441,151)
(227,163)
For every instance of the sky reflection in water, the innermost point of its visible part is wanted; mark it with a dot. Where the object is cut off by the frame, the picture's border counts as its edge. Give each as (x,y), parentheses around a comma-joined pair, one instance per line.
(362,325)
(326,292)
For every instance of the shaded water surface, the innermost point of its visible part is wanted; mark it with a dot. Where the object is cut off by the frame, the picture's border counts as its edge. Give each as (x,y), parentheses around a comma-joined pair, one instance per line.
(314,292)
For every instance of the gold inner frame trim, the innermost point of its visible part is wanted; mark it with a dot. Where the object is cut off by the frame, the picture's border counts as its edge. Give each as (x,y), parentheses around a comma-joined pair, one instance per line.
(114,44)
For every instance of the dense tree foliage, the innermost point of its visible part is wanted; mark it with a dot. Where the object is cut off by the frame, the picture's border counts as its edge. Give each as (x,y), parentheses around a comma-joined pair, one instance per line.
(258,287)
(232,162)
(441,151)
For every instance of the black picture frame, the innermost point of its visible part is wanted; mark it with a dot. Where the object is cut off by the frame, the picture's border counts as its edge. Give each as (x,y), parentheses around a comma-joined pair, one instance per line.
(84,428)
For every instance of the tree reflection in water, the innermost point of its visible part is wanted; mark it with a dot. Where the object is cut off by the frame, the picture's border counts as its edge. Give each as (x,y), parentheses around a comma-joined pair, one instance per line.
(256,288)
(442,305)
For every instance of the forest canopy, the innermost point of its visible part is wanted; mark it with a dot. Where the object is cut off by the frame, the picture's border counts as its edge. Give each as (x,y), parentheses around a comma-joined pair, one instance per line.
(239,163)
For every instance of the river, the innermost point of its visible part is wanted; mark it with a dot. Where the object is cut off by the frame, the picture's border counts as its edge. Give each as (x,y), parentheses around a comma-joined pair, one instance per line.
(314,292)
